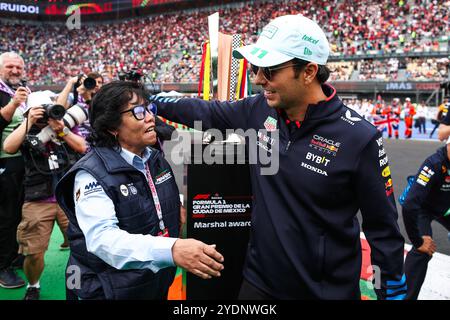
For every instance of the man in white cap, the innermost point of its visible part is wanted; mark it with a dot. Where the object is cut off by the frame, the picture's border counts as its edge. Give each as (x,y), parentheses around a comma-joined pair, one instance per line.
(428,199)
(305,236)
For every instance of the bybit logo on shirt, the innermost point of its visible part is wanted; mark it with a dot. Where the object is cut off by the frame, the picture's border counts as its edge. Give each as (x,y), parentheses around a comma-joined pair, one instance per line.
(317,159)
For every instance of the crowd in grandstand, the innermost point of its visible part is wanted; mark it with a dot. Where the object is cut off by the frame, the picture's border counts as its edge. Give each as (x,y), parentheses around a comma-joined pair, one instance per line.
(167,47)
(393,69)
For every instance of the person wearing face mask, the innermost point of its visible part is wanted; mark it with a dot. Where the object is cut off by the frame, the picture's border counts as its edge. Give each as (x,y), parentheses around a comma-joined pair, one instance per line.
(13,95)
(123,206)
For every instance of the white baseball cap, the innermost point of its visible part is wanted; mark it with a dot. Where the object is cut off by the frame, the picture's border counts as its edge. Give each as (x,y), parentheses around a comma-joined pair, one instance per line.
(285,38)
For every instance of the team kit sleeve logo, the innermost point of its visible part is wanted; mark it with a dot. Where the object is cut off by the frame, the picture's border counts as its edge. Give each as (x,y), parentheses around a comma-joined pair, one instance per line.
(92,187)
(424,176)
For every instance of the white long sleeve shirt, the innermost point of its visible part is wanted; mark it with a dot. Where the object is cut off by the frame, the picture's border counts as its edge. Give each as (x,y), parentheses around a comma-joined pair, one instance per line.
(97,219)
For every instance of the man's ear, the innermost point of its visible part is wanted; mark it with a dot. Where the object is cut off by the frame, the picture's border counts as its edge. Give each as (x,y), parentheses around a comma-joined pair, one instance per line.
(310,72)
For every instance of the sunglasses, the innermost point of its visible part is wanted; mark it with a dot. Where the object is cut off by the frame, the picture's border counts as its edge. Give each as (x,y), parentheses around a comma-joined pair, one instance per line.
(268,72)
(140,111)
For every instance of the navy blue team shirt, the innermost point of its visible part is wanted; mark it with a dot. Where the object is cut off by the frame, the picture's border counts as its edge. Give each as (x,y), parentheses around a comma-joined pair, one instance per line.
(305,235)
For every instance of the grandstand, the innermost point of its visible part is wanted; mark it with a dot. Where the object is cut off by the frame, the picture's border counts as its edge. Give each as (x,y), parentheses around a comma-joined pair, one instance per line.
(398,48)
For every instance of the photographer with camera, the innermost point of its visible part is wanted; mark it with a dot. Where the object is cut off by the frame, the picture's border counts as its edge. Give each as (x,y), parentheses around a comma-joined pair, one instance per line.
(79,91)
(13,94)
(45,164)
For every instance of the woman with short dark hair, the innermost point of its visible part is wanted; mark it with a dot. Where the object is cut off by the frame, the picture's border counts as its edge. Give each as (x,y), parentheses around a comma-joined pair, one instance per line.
(122,203)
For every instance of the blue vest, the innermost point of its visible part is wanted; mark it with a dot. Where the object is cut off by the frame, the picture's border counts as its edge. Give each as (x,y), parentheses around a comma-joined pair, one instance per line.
(136,214)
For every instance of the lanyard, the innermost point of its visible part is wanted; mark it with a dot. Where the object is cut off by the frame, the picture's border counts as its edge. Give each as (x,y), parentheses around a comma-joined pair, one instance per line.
(164,231)
(5,88)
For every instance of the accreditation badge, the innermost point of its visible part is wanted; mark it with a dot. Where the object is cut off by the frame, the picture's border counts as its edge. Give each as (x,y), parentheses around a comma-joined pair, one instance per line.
(164,233)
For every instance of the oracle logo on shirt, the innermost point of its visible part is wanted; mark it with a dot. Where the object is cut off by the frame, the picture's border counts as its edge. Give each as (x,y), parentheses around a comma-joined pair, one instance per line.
(325,145)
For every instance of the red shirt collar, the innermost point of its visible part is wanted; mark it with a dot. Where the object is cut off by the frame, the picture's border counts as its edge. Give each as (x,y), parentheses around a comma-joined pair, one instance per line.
(283,114)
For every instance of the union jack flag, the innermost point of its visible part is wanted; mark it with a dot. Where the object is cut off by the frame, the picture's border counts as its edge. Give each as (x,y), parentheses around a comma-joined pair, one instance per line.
(385,122)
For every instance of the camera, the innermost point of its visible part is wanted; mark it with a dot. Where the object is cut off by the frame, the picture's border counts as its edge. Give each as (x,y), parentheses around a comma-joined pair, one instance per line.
(133,75)
(74,116)
(89,83)
(52,111)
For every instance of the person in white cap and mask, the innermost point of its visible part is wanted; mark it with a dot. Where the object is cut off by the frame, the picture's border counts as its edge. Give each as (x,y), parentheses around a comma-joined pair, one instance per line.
(330,163)
(427,200)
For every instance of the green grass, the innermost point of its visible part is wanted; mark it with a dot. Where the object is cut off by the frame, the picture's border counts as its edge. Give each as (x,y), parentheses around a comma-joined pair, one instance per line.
(365,291)
(52,279)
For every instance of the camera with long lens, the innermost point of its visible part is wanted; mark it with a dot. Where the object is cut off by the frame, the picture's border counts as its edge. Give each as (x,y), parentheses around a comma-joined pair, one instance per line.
(62,157)
(89,83)
(52,111)
(73,116)
(133,75)
(36,143)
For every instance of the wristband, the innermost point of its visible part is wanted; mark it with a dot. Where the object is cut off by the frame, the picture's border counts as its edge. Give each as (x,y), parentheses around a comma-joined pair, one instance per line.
(64,132)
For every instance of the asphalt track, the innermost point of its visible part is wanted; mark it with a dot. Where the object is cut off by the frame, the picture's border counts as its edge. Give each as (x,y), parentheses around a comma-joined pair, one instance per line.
(405,157)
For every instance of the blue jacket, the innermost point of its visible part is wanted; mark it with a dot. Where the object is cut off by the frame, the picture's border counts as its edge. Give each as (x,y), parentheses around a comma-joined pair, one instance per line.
(136,214)
(305,236)
(446,119)
(429,194)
